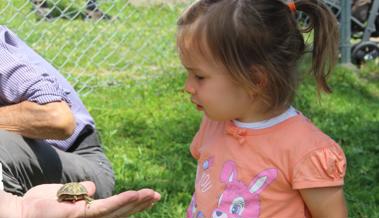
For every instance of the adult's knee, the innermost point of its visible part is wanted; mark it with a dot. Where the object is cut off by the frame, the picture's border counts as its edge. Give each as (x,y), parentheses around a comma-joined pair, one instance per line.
(13,148)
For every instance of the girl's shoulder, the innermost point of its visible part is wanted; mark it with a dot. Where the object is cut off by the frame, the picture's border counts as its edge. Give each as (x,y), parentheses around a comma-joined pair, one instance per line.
(317,160)
(300,128)
(301,138)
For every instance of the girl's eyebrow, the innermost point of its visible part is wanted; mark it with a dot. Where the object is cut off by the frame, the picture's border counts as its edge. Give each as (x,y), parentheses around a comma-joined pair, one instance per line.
(190,68)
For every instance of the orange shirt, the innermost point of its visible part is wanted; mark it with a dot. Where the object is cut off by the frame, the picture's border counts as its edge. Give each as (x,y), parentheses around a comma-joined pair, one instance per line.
(248,173)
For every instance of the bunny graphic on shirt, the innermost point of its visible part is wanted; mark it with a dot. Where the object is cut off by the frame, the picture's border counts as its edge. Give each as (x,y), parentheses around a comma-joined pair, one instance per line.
(239,200)
(204,182)
(192,211)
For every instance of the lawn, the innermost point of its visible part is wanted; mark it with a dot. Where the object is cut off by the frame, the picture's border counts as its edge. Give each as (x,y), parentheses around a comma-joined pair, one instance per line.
(147,129)
(147,122)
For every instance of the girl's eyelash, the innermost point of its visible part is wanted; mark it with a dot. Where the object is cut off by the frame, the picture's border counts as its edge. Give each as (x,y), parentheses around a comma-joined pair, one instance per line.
(196,75)
(199,77)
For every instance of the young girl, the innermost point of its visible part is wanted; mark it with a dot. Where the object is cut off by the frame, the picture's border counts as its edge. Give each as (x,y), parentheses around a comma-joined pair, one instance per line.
(257,155)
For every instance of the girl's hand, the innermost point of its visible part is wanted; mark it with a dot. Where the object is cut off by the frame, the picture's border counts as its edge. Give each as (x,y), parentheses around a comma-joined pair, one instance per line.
(328,202)
(41,202)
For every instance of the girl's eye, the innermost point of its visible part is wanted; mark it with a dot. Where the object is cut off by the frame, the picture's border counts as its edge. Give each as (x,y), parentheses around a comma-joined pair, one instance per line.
(199,77)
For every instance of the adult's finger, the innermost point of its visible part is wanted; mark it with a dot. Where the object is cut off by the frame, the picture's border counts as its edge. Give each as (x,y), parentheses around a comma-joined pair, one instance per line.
(123,204)
(90,186)
(148,193)
(146,198)
(111,205)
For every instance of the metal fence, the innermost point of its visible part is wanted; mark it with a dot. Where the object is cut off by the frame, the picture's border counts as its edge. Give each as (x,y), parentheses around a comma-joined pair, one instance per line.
(93,42)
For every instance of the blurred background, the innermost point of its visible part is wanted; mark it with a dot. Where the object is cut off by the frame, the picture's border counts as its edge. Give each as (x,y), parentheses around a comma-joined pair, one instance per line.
(120,56)
(87,38)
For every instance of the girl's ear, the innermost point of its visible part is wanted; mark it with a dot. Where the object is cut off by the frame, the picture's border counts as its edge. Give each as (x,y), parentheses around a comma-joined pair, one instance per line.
(259,79)
(260,76)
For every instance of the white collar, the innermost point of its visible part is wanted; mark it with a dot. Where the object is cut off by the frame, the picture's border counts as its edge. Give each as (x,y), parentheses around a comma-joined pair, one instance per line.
(270,122)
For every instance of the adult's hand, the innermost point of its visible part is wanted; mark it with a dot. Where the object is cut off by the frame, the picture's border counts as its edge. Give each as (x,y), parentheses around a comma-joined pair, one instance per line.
(41,202)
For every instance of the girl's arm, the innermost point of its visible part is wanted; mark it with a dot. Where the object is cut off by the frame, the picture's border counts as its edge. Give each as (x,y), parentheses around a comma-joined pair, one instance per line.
(326,202)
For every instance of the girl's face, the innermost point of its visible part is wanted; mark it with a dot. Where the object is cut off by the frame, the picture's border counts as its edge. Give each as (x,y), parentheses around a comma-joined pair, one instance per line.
(213,91)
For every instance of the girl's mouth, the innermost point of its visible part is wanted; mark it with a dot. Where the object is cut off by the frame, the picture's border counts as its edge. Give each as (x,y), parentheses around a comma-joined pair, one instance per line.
(198,106)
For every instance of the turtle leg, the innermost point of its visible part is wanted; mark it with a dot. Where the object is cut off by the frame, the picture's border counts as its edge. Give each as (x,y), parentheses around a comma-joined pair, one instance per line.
(75,198)
(88,201)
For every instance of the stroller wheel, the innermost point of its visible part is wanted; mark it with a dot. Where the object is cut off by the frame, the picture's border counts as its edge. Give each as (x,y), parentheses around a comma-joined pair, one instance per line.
(364,51)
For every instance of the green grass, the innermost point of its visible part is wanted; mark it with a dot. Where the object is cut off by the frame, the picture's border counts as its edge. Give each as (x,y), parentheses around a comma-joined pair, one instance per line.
(147,122)
(147,129)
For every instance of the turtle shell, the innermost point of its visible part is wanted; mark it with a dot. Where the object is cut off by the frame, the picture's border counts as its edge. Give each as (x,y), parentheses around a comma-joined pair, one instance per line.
(73,191)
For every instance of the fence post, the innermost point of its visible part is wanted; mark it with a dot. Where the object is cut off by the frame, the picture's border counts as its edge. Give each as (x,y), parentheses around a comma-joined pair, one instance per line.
(345,31)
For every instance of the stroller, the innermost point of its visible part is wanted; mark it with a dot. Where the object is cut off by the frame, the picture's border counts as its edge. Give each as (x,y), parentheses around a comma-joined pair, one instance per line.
(364,26)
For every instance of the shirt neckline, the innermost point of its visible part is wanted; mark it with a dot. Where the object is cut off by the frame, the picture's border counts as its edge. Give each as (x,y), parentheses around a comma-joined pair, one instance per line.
(233,129)
(290,112)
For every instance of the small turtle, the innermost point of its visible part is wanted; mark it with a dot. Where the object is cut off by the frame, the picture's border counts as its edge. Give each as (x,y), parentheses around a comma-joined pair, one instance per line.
(73,191)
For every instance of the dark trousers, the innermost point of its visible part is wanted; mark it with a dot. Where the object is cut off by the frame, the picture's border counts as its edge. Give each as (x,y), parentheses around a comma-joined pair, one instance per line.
(26,164)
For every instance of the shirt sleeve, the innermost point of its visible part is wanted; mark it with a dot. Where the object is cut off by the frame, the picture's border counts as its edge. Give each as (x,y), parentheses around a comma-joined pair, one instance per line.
(323,167)
(21,80)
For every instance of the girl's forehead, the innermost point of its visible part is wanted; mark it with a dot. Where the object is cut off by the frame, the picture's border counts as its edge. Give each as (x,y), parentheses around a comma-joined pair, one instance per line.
(191,57)
(193,52)
(192,40)
(196,59)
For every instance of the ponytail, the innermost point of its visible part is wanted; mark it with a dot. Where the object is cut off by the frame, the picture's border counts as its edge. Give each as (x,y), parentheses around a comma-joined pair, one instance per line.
(325,42)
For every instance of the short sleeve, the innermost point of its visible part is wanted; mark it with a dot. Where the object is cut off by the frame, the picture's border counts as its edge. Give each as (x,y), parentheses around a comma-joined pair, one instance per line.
(197,140)
(24,76)
(323,167)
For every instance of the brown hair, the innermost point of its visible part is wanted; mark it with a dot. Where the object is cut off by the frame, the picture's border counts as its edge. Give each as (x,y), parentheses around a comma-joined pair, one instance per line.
(260,43)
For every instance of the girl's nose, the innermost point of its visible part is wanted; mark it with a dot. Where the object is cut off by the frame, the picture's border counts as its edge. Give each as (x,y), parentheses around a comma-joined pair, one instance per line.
(188,87)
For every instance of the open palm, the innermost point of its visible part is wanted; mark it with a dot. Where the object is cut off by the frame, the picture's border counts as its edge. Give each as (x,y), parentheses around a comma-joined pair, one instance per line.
(41,202)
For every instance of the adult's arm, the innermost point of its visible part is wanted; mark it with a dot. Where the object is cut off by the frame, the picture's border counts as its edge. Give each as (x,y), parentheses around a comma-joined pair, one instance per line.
(48,121)
(33,101)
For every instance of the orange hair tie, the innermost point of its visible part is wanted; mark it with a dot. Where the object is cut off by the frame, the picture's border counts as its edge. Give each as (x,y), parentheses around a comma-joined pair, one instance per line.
(292,6)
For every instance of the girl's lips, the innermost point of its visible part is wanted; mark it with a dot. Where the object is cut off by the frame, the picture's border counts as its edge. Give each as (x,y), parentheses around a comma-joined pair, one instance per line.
(198,106)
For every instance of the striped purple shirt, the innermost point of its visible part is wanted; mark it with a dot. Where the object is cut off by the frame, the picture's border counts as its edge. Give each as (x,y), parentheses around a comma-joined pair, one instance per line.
(26,76)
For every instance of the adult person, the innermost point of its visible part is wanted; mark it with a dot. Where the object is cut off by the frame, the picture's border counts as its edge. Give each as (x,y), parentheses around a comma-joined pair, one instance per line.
(42,9)
(46,133)
(40,202)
